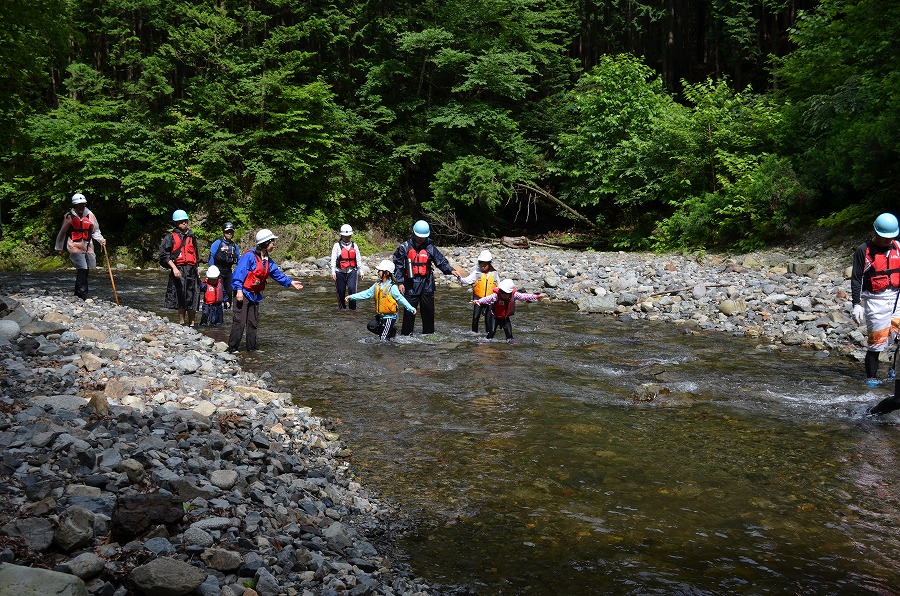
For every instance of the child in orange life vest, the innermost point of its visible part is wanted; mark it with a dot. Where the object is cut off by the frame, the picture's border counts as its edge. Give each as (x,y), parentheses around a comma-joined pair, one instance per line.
(386,297)
(503,305)
(215,300)
(483,280)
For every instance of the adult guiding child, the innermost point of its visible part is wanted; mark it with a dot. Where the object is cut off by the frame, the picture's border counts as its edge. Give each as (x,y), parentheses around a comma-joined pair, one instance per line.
(224,254)
(178,253)
(874,286)
(414,263)
(77,234)
(248,282)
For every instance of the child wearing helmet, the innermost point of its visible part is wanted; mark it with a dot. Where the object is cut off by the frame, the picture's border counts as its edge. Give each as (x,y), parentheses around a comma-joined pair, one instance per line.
(387,296)
(224,254)
(178,253)
(215,300)
(503,304)
(483,280)
(345,272)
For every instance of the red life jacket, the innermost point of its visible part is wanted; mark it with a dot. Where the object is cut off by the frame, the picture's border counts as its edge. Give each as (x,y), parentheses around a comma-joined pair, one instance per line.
(417,262)
(186,254)
(81,228)
(503,307)
(256,278)
(883,268)
(214,294)
(347,258)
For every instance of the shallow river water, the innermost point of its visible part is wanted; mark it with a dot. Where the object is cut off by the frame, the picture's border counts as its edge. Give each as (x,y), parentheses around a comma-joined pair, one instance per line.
(550,466)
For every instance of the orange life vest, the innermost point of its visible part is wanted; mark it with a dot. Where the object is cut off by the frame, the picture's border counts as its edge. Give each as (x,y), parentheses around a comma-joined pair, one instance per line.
(184,250)
(504,307)
(417,262)
(485,285)
(883,268)
(347,258)
(214,294)
(384,302)
(81,228)
(256,278)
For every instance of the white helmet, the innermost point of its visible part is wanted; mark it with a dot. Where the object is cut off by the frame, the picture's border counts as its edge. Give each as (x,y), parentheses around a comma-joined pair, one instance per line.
(346,230)
(485,256)
(213,271)
(78,199)
(264,235)
(386,265)
(507,286)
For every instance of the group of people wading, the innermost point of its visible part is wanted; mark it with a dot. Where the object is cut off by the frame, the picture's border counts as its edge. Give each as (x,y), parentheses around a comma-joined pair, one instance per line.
(236,281)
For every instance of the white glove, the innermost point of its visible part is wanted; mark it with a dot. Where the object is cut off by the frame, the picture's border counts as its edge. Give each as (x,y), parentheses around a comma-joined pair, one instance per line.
(858,314)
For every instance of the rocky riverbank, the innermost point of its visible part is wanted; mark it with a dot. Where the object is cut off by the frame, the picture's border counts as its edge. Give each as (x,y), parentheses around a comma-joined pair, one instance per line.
(139,458)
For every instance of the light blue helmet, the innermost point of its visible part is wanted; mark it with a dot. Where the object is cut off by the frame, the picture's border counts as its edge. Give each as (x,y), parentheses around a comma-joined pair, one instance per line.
(422,229)
(886,226)
(179,215)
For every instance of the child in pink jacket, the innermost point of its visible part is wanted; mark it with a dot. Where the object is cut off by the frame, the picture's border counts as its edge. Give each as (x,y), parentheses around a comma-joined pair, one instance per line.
(503,305)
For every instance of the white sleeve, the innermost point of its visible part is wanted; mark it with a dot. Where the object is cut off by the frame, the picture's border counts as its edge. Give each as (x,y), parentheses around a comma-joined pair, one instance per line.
(335,251)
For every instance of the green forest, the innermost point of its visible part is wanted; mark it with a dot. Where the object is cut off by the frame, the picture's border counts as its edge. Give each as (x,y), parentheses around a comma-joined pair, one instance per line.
(641,124)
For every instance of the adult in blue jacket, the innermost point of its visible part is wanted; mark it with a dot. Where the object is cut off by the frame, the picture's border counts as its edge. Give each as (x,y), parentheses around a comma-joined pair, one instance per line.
(414,263)
(248,282)
(224,254)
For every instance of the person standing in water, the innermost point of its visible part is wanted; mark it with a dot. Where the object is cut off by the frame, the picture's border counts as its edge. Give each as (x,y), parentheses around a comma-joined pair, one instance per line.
(224,254)
(248,282)
(483,280)
(77,234)
(345,272)
(387,296)
(502,302)
(414,263)
(874,286)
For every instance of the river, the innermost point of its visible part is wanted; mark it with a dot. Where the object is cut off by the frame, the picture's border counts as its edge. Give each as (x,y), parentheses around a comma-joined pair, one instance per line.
(592,456)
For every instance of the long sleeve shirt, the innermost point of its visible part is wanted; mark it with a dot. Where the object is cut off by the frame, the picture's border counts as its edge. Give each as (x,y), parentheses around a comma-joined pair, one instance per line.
(419,284)
(228,250)
(246,264)
(395,294)
(64,239)
(516,297)
(860,276)
(336,252)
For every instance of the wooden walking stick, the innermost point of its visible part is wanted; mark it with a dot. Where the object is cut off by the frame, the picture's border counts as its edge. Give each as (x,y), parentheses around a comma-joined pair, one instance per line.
(109,268)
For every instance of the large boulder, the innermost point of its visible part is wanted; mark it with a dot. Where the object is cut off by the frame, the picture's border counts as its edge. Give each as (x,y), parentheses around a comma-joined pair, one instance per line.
(33,581)
(167,577)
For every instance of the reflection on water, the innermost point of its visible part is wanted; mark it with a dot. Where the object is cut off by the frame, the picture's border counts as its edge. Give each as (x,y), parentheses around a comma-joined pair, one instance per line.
(595,457)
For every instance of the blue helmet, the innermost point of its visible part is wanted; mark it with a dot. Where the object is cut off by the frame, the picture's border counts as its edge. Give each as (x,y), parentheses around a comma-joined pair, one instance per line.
(423,230)
(179,215)
(886,226)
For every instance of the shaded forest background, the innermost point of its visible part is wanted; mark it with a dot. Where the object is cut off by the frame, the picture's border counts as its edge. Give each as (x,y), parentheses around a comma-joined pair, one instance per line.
(642,124)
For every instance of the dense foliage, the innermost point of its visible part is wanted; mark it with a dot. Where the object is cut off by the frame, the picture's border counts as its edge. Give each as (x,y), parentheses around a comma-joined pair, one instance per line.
(663,124)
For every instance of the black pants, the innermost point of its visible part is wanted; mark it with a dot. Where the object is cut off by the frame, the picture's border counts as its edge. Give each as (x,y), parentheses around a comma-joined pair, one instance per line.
(245,314)
(226,284)
(479,311)
(383,326)
(504,324)
(81,283)
(345,283)
(424,305)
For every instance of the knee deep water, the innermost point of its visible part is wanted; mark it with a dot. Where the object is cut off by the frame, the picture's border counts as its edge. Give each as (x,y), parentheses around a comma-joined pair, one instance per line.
(544,466)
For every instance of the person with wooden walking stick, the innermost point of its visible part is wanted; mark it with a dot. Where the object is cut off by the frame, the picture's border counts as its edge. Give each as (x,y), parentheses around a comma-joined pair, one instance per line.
(77,234)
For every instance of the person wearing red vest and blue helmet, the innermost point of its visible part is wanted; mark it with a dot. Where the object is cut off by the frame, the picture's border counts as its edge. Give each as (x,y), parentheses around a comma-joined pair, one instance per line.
(224,254)
(345,271)
(874,285)
(414,263)
(502,301)
(77,235)
(178,253)
(248,282)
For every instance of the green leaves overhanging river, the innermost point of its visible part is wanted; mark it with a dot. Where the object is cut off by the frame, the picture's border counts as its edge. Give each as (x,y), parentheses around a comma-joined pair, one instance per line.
(592,456)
